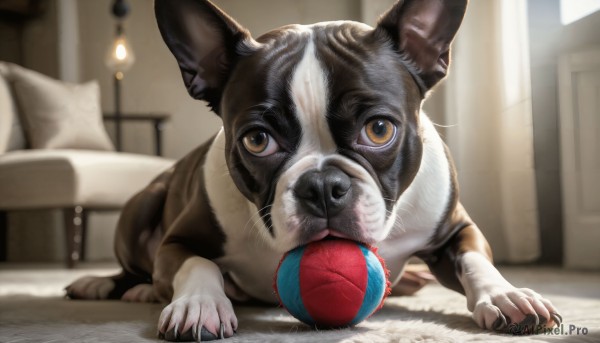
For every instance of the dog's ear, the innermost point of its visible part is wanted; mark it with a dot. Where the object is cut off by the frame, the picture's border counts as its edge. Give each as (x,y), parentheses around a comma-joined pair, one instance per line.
(206,43)
(422,31)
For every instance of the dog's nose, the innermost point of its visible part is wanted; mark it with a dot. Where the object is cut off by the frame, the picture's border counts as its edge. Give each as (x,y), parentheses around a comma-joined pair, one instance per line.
(324,193)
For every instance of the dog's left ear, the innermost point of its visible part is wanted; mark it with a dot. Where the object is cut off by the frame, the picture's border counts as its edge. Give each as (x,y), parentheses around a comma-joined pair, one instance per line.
(422,31)
(206,43)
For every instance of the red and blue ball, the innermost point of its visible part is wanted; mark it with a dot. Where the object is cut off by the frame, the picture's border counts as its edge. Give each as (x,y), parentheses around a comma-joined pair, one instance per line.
(332,283)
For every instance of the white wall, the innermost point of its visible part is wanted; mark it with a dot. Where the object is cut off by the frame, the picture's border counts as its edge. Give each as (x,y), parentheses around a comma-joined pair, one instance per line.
(68,40)
(549,39)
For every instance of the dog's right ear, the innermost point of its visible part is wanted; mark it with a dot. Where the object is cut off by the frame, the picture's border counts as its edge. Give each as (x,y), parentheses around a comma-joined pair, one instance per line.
(206,43)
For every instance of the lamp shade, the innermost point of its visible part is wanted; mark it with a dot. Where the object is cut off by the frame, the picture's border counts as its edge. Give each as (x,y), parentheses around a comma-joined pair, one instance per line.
(120,56)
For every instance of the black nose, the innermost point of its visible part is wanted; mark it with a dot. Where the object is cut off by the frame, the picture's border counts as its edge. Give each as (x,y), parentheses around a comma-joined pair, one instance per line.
(324,193)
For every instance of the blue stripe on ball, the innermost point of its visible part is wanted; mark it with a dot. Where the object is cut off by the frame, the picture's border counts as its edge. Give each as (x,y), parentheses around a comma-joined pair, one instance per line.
(375,286)
(288,285)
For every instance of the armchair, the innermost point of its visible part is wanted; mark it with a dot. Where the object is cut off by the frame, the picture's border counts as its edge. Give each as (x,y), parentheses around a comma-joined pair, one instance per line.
(66,165)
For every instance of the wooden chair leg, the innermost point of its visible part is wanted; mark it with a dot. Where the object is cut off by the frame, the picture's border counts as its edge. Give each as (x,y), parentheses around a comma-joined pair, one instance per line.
(75,219)
(84,225)
(3,235)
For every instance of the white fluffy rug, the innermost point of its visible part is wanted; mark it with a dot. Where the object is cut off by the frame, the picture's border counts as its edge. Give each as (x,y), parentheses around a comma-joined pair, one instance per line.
(32,310)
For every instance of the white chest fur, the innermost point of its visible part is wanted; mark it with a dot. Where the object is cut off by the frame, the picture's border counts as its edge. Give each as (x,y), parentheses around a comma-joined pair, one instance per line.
(422,206)
(248,259)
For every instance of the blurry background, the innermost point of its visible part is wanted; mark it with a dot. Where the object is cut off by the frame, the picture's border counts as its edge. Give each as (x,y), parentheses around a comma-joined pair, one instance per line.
(500,110)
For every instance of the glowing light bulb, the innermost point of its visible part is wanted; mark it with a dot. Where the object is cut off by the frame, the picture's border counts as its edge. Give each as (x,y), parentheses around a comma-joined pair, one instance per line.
(120,56)
(121,52)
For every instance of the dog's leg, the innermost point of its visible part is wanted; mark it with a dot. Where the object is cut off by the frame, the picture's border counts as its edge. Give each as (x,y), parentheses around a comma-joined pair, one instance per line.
(103,287)
(136,240)
(414,277)
(465,264)
(185,276)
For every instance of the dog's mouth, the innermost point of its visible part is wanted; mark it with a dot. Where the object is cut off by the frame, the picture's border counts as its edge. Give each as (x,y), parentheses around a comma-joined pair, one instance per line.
(328,233)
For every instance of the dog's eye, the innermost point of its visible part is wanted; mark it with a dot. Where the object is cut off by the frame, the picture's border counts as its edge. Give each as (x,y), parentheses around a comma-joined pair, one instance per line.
(260,143)
(377,133)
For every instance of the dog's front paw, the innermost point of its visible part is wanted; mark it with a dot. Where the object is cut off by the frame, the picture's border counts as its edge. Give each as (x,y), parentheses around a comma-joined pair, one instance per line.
(515,310)
(198,318)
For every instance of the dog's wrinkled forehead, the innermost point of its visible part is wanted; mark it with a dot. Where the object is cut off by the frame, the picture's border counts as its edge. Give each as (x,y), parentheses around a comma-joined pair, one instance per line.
(333,65)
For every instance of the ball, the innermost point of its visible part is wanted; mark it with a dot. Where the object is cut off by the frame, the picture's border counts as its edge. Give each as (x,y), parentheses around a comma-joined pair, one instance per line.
(332,283)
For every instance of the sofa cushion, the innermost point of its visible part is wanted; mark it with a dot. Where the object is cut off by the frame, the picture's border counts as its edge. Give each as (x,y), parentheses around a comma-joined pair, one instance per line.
(11,132)
(60,178)
(59,115)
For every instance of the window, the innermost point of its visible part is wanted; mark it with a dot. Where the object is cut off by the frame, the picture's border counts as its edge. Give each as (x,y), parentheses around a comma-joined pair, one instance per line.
(573,10)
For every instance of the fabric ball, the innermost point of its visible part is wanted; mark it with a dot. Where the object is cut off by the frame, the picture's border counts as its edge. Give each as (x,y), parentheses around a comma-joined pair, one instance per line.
(332,283)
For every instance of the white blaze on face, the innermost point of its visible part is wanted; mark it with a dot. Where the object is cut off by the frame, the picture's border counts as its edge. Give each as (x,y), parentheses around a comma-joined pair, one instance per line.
(308,90)
(309,94)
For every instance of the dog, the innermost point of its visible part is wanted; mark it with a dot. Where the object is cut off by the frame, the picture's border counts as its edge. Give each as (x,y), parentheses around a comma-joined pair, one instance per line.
(323,136)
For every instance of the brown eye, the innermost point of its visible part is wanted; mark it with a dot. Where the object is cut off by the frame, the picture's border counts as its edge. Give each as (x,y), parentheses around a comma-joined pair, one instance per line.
(260,143)
(377,133)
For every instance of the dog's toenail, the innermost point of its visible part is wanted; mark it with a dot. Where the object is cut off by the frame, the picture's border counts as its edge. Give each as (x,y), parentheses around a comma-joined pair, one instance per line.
(500,323)
(557,318)
(206,335)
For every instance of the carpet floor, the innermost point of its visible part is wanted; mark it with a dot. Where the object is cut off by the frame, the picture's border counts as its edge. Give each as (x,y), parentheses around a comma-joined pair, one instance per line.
(32,310)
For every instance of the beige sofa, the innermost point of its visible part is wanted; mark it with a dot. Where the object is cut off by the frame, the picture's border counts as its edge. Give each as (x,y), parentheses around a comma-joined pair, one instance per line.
(54,157)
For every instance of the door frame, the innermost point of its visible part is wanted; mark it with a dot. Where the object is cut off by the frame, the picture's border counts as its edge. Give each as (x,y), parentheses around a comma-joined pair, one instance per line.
(581,229)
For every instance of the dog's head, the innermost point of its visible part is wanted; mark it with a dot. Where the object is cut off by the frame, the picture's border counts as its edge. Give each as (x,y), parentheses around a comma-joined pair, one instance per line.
(321,121)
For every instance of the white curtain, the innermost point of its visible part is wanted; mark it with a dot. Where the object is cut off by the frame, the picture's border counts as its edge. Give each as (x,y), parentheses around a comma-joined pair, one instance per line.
(487,102)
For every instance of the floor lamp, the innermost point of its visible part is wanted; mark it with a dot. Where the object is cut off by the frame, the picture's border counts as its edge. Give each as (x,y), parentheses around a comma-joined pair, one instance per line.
(119,59)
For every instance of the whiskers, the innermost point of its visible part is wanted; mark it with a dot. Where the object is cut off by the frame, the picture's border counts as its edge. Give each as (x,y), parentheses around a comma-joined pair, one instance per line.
(444,126)
(398,214)
(258,220)
(398,223)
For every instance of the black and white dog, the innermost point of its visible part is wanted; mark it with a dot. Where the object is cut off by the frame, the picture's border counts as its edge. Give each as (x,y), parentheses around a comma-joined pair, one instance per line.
(323,135)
